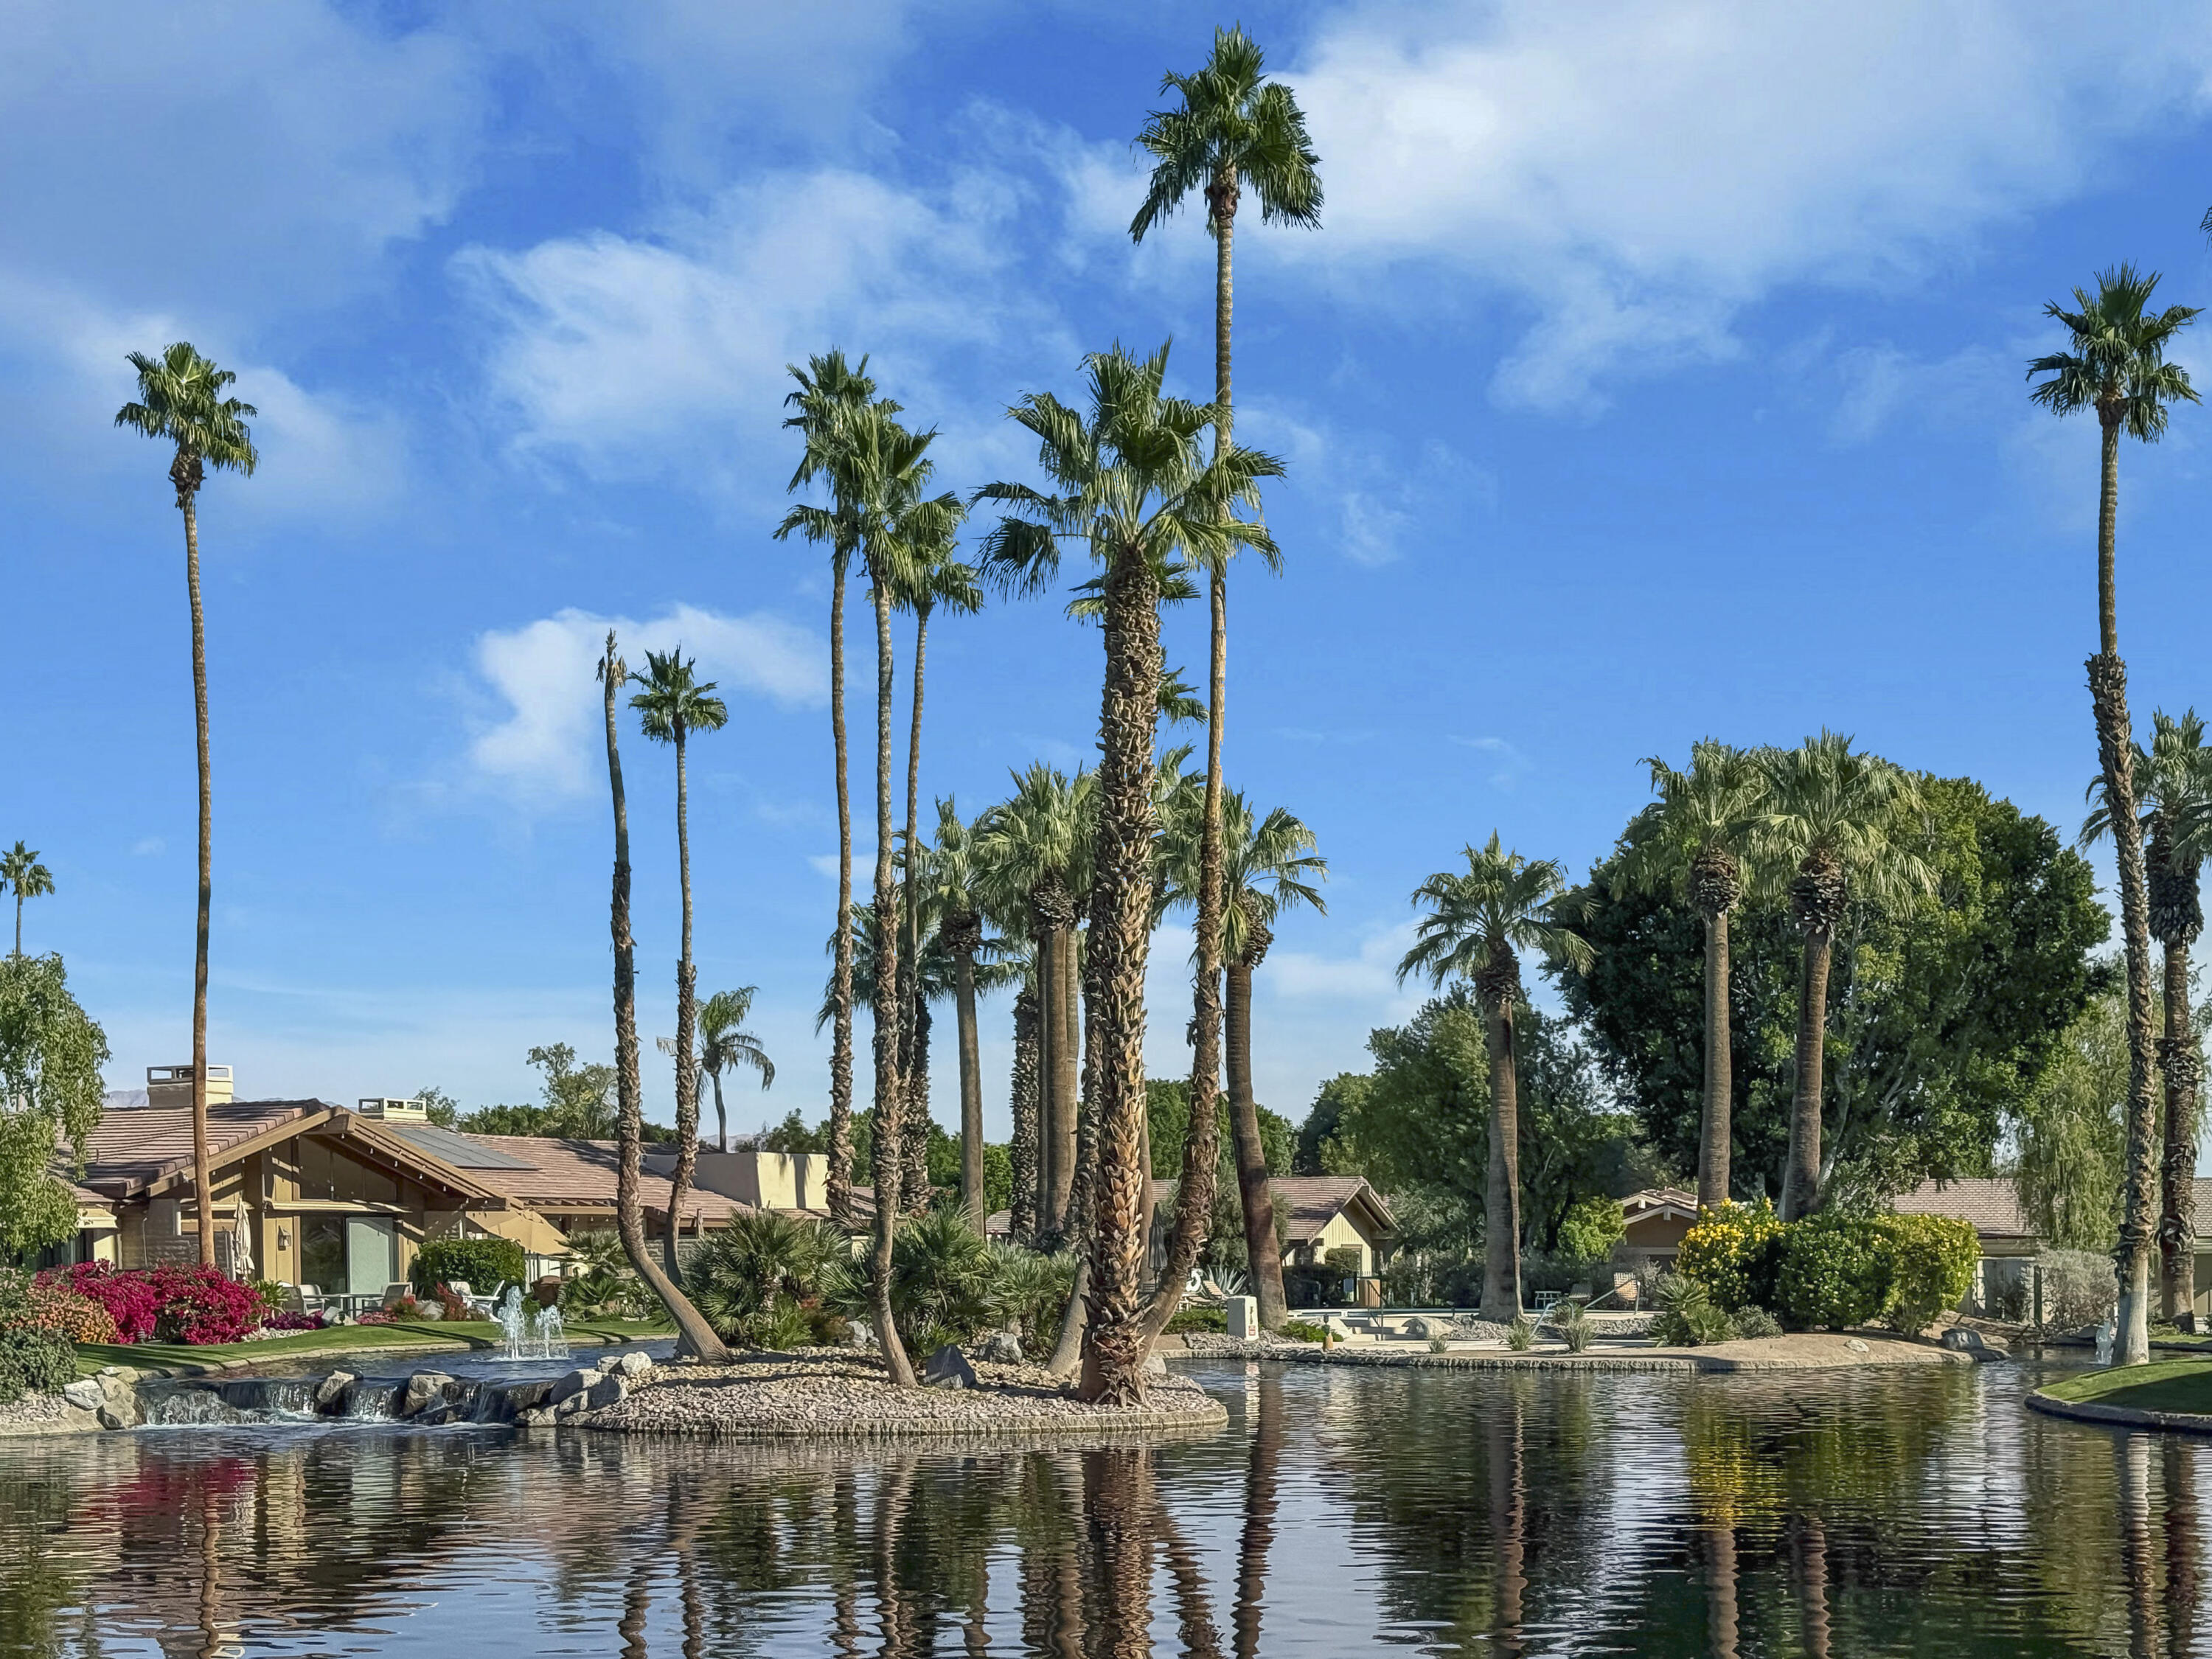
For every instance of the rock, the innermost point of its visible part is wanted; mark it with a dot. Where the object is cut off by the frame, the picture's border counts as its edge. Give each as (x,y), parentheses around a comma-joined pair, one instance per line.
(424,1388)
(1857,1344)
(85,1395)
(1155,1366)
(948,1368)
(1962,1341)
(574,1382)
(119,1406)
(1000,1348)
(534,1416)
(444,1412)
(1422,1330)
(574,1406)
(634,1365)
(332,1393)
(607,1391)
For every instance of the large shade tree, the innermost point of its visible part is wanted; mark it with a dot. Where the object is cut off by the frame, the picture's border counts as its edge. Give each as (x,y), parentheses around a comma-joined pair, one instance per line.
(2115,365)
(51,1053)
(1689,844)
(671,704)
(1837,819)
(1127,482)
(181,402)
(1232,130)
(1476,924)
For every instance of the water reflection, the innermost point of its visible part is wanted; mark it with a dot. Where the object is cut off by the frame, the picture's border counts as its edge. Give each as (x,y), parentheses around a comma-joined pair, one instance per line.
(1510,1515)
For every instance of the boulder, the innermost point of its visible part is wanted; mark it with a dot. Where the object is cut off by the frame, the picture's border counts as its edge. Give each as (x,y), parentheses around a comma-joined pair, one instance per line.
(424,1389)
(1422,1330)
(1155,1366)
(1857,1344)
(634,1366)
(1000,1348)
(444,1412)
(534,1416)
(333,1392)
(1962,1341)
(948,1368)
(574,1382)
(85,1395)
(119,1406)
(607,1391)
(574,1406)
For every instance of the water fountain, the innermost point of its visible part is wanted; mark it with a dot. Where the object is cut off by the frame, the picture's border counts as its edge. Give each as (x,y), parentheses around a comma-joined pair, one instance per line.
(532,1332)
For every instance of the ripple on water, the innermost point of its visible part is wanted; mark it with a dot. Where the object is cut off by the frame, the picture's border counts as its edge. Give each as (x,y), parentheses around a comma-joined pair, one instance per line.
(1342,1511)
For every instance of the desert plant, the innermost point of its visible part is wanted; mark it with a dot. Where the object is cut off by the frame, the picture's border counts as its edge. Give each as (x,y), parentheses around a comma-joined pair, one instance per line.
(1688,1317)
(2078,1289)
(761,1279)
(1835,1271)
(1571,1320)
(484,1264)
(1931,1267)
(1029,1289)
(1187,1319)
(1735,1251)
(1521,1334)
(1754,1322)
(1301,1330)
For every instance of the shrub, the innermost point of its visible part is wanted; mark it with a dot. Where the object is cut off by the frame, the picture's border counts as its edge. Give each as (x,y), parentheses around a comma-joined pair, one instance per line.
(1931,1267)
(1687,1316)
(1571,1320)
(1029,1291)
(1300,1330)
(62,1311)
(607,1284)
(2078,1289)
(1521,1334)
(190,1304)
(1735,1251)
(1755,1323)
(33,1362)
(484,1264)
(940,1291)
(1835,1271)
(132,1300)
(760,1280)
(1590,1228)
(1187,1320)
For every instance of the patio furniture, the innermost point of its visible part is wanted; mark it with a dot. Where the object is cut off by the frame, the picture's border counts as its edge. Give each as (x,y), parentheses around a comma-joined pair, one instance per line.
(307,1299)
(481,1306)
(394,1293)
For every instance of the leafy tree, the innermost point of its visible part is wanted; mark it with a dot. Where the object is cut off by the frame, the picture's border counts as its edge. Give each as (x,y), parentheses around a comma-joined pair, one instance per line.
(1232,131)
(2071,1132)
(51,1053)
(2116,365)
(1135,493)
(1475,927)
(1945,1005)
(441,1108)
(21,871)
(180,403)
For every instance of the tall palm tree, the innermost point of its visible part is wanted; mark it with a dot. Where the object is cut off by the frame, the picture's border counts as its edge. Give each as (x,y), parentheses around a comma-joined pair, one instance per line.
(1690,842)
(674,703)
(2176,778)
(1837,819)
(1232,130)
(182,402)
(961,931)
(724,1045)
(2116,365)
(697,1336)
(20,869)
(1132,486)
(831,392)
(1477,924)
(1024,1093)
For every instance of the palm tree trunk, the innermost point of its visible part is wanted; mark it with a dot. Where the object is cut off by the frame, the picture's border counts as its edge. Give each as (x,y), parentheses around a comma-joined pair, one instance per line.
(1068,1353)
(203,1177)
(840,1184)
(1258,1535)
(1022,1095)
(696,1335)
(2108,699)
(1713,1135)
(721,1117)
(687,1027)
(19,898)
(1501,1223)
(971,1092)
(1116,1343)
(1252,1189)
(1800,1179)
(1048,1217)
(1067,1064)
(914,1183)
(914,1087)
(2183,1071)
(888,1117)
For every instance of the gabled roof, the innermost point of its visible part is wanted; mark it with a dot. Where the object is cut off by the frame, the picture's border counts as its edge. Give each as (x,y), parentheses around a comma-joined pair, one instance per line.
(142,1145)
(1656,1203)
(1310,1203)
(560,1174)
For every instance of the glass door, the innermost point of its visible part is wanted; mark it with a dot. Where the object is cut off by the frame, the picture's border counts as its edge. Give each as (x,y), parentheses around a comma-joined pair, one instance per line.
(372,1254)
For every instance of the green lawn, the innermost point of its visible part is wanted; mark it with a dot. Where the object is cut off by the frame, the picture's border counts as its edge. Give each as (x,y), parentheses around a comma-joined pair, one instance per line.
(2165,1385)
(444,1335)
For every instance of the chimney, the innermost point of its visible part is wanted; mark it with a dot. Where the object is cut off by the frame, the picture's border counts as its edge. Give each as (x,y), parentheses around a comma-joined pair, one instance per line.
(171,1085)
(393,1111)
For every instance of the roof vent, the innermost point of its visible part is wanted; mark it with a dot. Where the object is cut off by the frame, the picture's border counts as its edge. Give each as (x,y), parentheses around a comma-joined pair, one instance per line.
(394,1111)
(171,1085)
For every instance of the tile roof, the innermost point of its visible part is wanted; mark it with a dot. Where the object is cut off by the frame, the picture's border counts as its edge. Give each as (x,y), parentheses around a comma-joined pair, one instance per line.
(1312,1201)
(583,1174)
(141,1144)
(1990,1203)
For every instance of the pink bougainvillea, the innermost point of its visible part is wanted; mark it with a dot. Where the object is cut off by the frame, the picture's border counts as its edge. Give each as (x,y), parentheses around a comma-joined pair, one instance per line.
(195,1304)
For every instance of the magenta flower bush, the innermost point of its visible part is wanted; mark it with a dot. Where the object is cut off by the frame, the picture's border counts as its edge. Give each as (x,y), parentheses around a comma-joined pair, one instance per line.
(195,1305)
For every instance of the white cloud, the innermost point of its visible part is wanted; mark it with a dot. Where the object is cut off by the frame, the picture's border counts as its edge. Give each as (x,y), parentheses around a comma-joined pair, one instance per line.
(1509,764)
(1370,977)
(1637,174)
(541,746)
(1379,498)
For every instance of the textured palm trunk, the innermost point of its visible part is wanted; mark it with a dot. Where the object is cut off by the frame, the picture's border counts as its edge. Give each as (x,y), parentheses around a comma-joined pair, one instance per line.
(687,1027)
(721,1117)
(913,1179)
(971,1078)
(2108,698)
(1501,1224)
(914,1085)
(839,1192)
(1713,1129)
(1022,1151)
(203,1177)
(2183,1071)
(1067,1064)
(1252,1189)
(1068,1353)
(1257,1537)
(1800,1178)
(696,1336)
(1116,1343)
(1048,1016)
(886,1143)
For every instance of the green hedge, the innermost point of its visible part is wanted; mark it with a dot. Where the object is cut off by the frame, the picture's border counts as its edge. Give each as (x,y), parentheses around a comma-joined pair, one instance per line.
(483,1264)
(34,1362)
(1735,1251)
(1836,1269)
(1932,1261)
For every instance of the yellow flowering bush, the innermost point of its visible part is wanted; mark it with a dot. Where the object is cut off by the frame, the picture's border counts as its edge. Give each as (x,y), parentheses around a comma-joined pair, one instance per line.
(1734,1252)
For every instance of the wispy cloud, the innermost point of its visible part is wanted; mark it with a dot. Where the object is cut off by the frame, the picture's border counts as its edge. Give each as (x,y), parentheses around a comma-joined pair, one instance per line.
(1510,765)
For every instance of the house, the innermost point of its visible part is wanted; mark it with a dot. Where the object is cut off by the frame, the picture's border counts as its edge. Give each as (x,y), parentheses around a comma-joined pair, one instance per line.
(1653,1223)
(309,1192)
(1321,1213)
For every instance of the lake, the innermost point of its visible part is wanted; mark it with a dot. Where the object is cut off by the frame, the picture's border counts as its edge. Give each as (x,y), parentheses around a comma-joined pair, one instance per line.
(1344,1511)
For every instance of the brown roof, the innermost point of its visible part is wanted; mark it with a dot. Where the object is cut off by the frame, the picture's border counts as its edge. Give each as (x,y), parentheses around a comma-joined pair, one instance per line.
(1311,1201)
(141,1144)
(1990,1203)
(583,1174)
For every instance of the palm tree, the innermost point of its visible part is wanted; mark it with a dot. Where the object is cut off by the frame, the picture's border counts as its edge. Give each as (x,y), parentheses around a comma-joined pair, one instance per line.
(829,392)
(724,1045)
(674,704)
(1023,1098)
(1232,129)
(953,878)
(1690,843)
(1476,925)
(2176,774)
(1134,487)
(697,1336)
(20,869)
(180,403)
(1835,817)
(2117,365)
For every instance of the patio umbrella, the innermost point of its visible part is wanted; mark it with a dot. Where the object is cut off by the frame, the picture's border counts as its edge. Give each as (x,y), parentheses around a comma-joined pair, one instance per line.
(241,1242)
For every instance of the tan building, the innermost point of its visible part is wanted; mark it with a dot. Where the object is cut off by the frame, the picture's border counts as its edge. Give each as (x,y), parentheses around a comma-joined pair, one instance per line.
(1653,1223)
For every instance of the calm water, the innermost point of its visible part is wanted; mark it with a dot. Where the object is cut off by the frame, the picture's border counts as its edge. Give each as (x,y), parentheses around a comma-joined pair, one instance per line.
(1343,1512)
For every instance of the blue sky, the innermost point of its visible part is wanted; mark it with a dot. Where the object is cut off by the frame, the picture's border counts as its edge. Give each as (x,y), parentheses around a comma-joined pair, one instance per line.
(1658,372)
